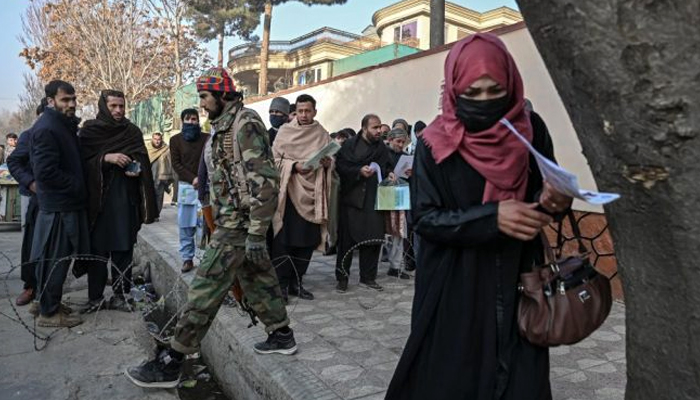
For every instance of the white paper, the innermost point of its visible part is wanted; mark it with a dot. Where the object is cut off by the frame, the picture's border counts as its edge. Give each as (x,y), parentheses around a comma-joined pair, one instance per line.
(561,180)
(315,161)
(378,170)
(403,166)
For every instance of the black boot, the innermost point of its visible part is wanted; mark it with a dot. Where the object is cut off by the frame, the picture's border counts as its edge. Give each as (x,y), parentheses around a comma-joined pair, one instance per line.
(300,292)
(278,342)
(162,372)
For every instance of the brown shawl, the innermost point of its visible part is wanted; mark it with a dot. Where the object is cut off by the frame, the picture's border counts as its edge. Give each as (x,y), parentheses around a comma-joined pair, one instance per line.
(310,192)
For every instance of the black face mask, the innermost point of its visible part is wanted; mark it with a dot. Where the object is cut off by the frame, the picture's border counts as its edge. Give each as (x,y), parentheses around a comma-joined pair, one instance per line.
(479,115)
(278,120)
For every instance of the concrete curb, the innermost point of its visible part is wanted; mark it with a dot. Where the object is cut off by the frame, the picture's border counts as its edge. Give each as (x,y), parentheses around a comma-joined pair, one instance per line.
(228,346)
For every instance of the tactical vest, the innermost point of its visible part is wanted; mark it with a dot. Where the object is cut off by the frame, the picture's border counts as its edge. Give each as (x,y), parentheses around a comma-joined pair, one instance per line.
(238,189)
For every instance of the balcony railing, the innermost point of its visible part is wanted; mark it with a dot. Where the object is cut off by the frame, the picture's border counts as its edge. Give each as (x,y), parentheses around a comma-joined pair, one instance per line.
(319,36)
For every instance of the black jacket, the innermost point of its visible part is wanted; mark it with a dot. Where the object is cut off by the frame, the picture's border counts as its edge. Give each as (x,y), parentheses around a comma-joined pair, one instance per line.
(20,165)
(272,133)
(355,190)
(57,163)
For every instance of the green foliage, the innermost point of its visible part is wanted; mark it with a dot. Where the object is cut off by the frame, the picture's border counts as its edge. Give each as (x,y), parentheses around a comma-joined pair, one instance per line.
(231,17)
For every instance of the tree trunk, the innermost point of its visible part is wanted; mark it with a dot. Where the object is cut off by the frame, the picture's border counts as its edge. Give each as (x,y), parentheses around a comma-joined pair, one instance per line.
(178,78)
(437,23)
(220,37)
(628,74)
(264,50)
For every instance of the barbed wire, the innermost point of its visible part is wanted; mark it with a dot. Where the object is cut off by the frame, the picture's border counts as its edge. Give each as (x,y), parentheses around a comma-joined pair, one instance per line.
(173,294)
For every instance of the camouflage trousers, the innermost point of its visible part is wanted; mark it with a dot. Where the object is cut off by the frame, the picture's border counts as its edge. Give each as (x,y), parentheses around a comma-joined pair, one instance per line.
(223,262)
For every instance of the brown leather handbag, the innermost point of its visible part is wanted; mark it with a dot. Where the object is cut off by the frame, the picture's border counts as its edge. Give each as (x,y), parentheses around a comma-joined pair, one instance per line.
(565,300)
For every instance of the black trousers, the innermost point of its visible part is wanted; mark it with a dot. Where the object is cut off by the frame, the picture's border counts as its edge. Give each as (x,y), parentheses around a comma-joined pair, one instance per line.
(291,263)
(369,259)
(121,268)
(409,254)
(28,269)
(57,237)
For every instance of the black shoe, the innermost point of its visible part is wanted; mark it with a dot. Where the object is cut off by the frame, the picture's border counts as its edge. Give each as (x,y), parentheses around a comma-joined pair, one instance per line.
(120,303)
(162,372)
(372,285)
(395,272)
(277,342)
(331,251)
(410,267)
(285,295)
(94,306)
(301,293)
(342,286)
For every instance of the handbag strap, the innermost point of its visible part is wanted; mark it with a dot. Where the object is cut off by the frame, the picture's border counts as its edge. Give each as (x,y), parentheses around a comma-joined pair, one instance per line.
(549,256)
(577,234)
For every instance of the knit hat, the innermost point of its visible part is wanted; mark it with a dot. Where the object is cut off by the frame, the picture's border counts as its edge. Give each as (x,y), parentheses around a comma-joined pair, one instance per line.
(280,104)
(216,80)
(397,132)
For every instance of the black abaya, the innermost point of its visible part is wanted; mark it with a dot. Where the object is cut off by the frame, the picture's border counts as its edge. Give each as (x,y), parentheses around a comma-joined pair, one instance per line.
(464,342)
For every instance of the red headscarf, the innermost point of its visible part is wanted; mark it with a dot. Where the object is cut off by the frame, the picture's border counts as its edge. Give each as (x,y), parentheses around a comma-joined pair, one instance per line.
(495,153)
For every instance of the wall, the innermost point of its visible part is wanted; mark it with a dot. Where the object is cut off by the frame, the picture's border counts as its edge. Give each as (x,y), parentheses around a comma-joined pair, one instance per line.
(410,88)
(370,58)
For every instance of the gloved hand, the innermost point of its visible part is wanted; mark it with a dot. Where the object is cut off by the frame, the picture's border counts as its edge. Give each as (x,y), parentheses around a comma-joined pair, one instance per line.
(256,248)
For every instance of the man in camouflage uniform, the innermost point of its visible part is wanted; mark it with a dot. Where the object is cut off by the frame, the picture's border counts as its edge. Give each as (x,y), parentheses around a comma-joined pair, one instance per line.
(244,188)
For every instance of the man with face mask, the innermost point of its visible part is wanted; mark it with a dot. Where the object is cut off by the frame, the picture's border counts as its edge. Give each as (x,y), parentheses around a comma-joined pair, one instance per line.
(359,221)
(279,115)
(61,226)
(121,197)
(185,151)
(244,186)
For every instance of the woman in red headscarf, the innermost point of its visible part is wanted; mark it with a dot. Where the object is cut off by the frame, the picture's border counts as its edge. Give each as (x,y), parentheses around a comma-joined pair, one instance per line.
(479,204)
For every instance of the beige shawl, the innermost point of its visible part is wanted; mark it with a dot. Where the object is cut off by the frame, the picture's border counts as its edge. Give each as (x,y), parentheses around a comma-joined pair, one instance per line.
(310,192)
(160,162)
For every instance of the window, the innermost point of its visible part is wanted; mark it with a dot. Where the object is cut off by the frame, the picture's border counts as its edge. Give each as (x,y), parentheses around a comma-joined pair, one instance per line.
(405,32)
(461,34)
(309,76)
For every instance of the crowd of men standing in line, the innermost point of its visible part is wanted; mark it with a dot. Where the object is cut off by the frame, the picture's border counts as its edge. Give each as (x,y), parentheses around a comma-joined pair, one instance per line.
(330,208)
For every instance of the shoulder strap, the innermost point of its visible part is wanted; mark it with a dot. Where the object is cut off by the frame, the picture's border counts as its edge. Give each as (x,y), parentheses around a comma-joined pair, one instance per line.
(576,231)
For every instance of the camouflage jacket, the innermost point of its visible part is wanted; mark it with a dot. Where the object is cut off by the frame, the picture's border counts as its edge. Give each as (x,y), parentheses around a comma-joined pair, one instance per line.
(245,182)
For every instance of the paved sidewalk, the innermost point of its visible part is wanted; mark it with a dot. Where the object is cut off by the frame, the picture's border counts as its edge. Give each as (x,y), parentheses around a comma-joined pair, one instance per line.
(86,362)
(349,344)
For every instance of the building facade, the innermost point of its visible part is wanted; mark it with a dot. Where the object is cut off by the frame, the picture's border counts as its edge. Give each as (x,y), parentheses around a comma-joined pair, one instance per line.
(398,30)
(408,22)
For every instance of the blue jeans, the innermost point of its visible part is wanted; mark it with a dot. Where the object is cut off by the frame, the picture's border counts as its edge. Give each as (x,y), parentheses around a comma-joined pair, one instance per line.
(187,243)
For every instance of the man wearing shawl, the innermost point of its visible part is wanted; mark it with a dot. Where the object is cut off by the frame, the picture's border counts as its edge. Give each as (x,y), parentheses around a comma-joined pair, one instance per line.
(161,167)
(301,220)
(186,150)
(474,193)
(359,221)
(121,197)
(61,225)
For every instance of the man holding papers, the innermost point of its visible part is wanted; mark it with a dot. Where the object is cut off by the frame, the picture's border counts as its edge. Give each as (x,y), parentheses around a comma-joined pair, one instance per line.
(302,155)
(360,162)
